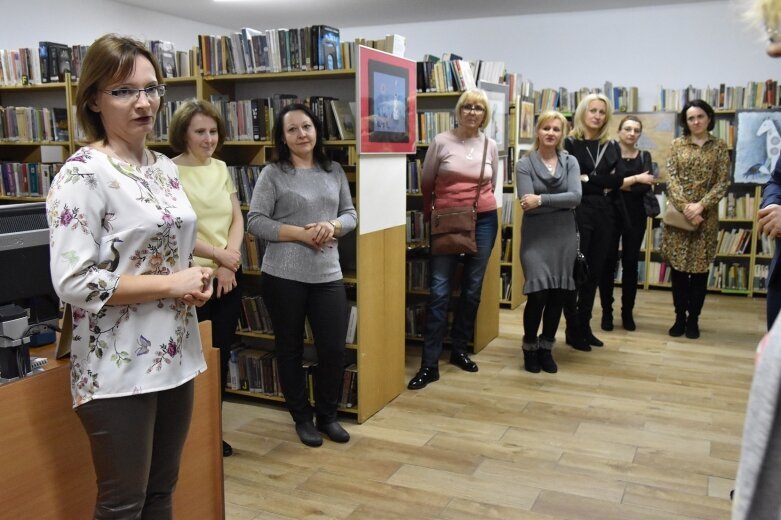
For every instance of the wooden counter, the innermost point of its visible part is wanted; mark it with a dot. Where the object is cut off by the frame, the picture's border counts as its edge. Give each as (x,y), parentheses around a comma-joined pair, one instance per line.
(45,461)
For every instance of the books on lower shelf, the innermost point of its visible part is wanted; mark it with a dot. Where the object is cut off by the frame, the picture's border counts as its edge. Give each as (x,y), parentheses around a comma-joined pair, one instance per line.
(737,207)
(257,371)
(731,276)
(33,124)
(761,272)
(27,179)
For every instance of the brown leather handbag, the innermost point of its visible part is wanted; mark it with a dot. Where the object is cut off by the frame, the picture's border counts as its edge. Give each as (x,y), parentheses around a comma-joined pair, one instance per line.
(453,229)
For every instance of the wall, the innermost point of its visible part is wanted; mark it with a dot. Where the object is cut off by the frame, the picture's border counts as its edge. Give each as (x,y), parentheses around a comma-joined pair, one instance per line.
(673,46)
(81,21)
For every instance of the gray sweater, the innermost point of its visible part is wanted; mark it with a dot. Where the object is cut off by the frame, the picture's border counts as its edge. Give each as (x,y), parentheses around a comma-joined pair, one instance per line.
(298,197)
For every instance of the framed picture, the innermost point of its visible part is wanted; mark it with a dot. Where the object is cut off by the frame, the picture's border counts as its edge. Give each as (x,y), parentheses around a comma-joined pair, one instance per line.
(659,130)
(526,121)
(498,100)
(757,145)
(386,94)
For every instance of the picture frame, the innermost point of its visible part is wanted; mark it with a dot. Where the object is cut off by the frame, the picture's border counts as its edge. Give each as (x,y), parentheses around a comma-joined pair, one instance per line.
(659,130)
(386,96)
(499,101)
(757,145)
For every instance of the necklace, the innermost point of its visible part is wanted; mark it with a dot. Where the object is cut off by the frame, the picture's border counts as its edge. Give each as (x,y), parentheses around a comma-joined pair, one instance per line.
(469,155)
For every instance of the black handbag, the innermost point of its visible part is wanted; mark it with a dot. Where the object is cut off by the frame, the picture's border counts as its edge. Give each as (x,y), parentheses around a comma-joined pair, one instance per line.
(453,229)
(651,204)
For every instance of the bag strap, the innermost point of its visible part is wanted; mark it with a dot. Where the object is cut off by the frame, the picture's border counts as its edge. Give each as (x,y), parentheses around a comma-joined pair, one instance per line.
(479,183)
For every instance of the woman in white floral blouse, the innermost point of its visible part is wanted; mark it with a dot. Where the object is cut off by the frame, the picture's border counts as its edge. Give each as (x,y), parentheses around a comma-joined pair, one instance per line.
(121,236)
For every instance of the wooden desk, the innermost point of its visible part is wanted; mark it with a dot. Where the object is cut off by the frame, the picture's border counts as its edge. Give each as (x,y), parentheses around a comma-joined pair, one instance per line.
(45,462)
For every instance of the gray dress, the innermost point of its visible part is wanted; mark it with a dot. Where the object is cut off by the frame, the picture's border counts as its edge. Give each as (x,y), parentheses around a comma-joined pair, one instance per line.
(548,241)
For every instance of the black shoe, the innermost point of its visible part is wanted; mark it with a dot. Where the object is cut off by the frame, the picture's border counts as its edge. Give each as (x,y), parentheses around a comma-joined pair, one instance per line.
(531,361)
(334,431)
(546,361)
(692,328)
(463,362)
(308,434)
(628,321)
(678,328)
(607,322)
(578,343)
(424,376)
(592,340)
(227,449)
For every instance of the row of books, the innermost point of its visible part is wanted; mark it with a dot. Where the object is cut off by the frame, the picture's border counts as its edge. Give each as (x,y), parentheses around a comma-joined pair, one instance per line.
(733,241)
(252,249)
(619,272)
(415,320)
(27,179)
(507,250)
(508,208)
(454,75)
(414,171)
(761,272)
(506,285)
(431,123)
(731,276)
(659,272)
(738,207)
(417,229)
(272,50)
(724,129)
(173,63)
(623,99)
(33,124)
(766,246)
(756,94)
(418,274)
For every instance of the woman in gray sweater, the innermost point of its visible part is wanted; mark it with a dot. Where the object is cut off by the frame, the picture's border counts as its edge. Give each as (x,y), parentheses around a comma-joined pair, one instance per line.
(301,204)
(548,181)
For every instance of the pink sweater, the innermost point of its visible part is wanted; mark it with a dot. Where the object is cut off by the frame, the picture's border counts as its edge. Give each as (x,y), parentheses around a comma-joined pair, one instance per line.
(456,164)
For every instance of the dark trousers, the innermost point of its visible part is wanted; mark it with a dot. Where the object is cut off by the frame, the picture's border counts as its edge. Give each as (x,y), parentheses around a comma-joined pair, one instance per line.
(689,291)
(773,304)
(595,224)
(543,306)
(443,268)
(630,239)
(224,314)
(289,304)
(137,444)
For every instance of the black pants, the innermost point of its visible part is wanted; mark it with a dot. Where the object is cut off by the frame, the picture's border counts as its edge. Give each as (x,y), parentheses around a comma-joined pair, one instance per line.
(631,239)
(595,224)
(689,291)
(543,306)
(137,444)
(289,304)
(224,314)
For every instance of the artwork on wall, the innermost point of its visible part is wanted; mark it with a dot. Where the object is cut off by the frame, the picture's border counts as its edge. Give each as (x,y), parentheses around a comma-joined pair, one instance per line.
(659,130)
(757,145)
(386,94)
(498,96)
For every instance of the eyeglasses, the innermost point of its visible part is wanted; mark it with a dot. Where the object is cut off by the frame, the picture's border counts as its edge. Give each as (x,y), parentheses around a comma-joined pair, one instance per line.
(128,94)
(477,109)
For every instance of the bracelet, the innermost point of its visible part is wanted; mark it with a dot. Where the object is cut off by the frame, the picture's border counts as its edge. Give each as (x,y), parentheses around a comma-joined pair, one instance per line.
(540,201)
(336,225)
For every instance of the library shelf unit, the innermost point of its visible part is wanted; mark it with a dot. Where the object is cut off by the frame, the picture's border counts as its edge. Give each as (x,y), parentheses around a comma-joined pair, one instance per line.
(18,150)
(372,262)
(487,321)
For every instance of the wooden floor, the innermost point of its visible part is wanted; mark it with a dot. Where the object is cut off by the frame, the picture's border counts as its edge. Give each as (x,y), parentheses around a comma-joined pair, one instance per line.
(647,427)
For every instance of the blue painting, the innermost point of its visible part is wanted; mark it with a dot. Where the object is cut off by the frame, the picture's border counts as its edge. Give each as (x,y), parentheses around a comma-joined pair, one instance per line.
(757,146)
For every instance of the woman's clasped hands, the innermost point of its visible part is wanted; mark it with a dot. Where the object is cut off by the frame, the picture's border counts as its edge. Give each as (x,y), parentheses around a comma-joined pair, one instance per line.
(319,235)
(193,285)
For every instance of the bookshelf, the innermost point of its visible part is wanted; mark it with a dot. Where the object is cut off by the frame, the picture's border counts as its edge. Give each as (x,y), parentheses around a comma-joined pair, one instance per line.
(373,263)
(441,104)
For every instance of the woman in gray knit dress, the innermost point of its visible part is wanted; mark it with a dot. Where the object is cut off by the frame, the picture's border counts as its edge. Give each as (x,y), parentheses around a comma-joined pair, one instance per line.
(548,181)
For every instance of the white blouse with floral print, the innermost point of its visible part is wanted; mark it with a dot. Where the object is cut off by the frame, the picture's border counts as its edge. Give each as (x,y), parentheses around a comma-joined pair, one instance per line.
(107,218)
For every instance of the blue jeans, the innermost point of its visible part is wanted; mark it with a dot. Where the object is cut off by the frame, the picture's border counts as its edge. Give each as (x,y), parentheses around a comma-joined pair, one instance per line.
(443,268)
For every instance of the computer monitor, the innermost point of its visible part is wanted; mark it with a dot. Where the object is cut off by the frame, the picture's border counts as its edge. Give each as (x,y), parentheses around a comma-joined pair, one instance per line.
(25,278)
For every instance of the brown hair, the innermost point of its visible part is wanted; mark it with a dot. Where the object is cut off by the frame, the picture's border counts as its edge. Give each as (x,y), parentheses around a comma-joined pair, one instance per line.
(110,58)
(180,123)
(630,118)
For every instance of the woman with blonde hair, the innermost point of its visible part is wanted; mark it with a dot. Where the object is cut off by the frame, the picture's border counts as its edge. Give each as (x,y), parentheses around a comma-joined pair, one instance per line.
(548,181)
(597,157)
(452,172)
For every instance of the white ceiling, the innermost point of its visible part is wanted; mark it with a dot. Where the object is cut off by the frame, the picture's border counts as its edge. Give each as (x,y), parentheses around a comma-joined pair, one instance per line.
(266,14)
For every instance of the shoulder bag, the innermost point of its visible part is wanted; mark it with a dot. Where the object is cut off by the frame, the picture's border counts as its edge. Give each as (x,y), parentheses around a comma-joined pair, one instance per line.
(650,202)
(580,269)
(453,229)
(673,217)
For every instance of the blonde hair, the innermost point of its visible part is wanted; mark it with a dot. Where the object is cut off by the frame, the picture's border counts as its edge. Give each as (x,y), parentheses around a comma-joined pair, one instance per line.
(472,96)
(579,121)
(541,120)
(765,14)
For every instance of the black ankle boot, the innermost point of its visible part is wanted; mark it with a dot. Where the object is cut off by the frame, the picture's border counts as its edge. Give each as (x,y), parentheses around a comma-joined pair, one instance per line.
(531,361)
(546,361)
(628,321)
(692,327)
(592,340)
(607,321)
(679,327)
